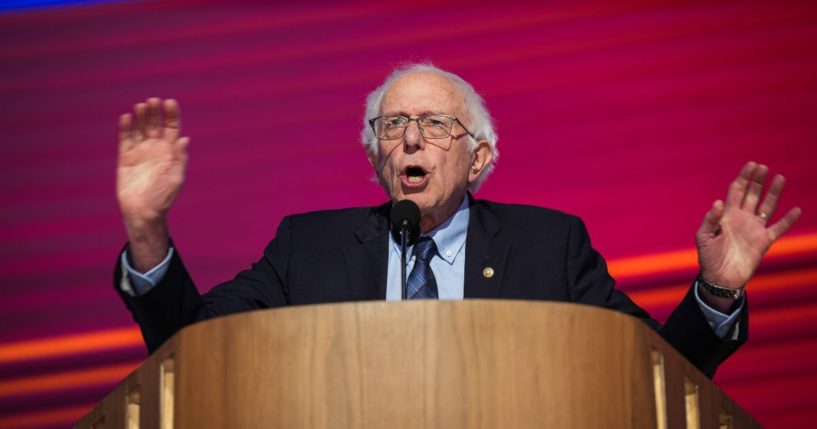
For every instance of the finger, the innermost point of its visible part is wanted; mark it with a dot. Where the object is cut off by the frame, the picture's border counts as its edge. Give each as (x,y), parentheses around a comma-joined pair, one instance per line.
(154,118)
(125,133)
(769,204)
(139,112)
(173,120)
(755,188)
(737,189)
(778,229)
(712,221)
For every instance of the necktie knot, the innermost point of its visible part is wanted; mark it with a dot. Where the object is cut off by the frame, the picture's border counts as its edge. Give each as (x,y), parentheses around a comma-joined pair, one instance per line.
(424,249)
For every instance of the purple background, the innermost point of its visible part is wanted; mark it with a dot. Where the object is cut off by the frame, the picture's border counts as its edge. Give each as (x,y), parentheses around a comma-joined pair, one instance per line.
(633,116)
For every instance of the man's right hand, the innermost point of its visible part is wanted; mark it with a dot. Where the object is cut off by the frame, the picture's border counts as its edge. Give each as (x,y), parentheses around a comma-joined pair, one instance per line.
(149,175)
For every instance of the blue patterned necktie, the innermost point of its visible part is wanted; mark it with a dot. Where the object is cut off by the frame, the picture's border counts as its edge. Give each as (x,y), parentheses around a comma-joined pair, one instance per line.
(421,283)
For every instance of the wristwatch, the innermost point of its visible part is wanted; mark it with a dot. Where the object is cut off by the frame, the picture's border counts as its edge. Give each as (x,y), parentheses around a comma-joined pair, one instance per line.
(723,292)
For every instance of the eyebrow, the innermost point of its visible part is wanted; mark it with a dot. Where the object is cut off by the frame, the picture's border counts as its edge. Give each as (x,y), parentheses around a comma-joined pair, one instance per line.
(423,113)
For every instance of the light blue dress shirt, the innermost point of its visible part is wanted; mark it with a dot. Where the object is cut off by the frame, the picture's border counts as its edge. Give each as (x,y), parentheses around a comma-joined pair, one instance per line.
(448,266)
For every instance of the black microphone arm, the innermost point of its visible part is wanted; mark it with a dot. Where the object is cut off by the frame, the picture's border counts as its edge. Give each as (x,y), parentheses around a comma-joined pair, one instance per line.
(404,235)
(405,221)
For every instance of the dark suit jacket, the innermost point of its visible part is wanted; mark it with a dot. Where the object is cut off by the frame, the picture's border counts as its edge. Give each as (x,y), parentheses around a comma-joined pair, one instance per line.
(341,255)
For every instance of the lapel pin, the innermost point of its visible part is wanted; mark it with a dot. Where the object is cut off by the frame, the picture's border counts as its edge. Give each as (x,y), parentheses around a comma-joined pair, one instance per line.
(487,272)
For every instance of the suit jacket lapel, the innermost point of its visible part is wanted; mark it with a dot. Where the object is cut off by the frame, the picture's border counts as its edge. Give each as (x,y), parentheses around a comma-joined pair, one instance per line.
(486,253)
(367,261)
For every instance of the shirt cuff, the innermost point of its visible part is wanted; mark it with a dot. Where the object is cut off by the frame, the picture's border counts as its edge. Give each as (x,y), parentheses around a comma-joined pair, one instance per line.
(135,283)
(721,323)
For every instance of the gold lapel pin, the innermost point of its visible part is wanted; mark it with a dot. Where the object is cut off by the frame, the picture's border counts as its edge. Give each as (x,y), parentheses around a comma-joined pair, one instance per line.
(487,272)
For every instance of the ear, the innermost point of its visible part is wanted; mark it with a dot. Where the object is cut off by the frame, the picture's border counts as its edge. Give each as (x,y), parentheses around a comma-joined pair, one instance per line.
(482,159)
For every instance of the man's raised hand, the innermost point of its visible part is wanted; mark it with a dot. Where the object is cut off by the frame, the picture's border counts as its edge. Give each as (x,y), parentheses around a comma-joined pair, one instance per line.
(734,236)
(149,175)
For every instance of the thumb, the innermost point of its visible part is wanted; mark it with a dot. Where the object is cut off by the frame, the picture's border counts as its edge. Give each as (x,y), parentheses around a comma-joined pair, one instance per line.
(180,146)
(712,220)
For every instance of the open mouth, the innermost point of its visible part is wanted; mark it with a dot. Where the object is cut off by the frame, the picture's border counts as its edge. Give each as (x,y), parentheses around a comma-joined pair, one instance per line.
(414,177)
(415,174)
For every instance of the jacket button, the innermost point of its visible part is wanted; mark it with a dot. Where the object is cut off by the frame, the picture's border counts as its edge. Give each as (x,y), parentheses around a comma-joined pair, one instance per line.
(487,272)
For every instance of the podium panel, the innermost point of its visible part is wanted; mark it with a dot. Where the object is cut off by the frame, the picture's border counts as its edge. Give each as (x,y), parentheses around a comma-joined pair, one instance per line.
(431,364)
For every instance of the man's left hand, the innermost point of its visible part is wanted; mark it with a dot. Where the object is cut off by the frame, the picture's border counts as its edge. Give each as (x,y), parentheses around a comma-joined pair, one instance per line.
(734,236)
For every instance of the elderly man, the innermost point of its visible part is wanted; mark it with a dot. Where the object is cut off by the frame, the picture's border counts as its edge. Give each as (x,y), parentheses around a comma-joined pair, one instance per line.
(430,140)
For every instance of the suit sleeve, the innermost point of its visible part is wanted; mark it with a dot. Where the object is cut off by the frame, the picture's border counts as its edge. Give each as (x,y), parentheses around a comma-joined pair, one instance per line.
(175,301)
(686,329)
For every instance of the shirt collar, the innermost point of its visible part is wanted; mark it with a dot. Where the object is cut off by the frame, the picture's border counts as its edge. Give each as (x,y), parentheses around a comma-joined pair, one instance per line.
(449,236)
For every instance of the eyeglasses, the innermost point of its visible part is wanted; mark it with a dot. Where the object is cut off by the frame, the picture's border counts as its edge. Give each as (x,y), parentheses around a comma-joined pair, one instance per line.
(431,126)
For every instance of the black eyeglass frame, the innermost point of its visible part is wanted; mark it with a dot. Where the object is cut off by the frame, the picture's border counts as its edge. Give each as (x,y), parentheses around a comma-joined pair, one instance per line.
(417,119)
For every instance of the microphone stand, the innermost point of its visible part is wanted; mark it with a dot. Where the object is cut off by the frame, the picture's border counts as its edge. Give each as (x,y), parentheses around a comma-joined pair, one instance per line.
(403,245)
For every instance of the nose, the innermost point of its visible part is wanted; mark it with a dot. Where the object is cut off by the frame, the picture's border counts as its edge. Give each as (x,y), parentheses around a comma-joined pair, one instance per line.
(413,138)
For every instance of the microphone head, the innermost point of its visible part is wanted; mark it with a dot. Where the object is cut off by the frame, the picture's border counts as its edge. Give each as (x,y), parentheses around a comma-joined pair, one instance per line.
(405,213)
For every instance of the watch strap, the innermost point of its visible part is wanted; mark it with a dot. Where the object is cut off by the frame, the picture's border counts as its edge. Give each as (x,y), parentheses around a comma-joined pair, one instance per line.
(720,291)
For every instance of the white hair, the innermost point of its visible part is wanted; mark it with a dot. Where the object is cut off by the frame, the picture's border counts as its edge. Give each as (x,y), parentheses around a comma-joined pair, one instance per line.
(479,120)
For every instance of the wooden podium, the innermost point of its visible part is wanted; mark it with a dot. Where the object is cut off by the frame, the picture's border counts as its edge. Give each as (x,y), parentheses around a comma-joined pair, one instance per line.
(428,364)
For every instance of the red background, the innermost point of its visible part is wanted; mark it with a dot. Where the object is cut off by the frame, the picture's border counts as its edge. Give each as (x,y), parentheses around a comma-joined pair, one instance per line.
(634,116)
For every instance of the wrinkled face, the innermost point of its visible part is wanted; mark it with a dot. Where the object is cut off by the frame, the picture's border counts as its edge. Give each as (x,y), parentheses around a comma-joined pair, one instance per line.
(433,174)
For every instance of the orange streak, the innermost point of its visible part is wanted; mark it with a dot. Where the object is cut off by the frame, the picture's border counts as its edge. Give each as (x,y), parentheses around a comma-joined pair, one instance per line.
(655,263)
(66,380)
(671,295)
(58,416)
(71,344)
(622,268)
(660,297)
(688,258)
(665,296)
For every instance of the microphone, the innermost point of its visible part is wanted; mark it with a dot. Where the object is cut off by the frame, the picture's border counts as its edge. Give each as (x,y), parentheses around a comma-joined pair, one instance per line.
(405,223)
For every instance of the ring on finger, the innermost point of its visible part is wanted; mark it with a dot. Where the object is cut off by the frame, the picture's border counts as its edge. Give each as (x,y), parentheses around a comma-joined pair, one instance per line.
(763,216)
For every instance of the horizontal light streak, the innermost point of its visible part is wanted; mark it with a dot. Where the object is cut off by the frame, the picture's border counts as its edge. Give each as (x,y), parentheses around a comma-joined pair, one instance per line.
(71,344)
(688,258)
(287,53)
(112,374)
(530,19)
(760,283)
(66,380)
(50,417)
(651,264)
(109,340)
(251,24)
